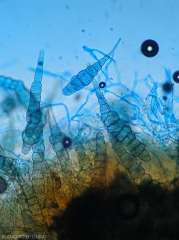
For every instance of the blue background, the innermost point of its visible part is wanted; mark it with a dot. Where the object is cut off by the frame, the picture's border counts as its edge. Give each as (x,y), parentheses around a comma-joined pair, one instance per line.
(56,26)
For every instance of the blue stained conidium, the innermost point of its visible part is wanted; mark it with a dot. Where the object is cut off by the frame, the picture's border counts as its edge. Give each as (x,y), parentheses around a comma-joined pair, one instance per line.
(118,128)
(33,132)
(85,77)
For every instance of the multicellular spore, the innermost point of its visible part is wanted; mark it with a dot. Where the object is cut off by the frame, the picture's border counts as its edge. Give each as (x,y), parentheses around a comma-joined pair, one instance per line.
(111,164)
(85,77)
(33,131)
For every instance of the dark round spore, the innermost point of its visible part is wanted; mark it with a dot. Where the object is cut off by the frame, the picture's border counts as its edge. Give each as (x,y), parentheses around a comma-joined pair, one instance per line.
(167,87)
(3,185)
(149,48)
(67,142)
(102,84)
(176,76)
(127,206)
(165,98)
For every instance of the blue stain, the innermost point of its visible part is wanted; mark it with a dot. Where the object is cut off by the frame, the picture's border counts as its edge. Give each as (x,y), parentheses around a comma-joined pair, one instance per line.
(33,130)
(85,77)
(119,129)
(18,87)
(150,113)
(8,105)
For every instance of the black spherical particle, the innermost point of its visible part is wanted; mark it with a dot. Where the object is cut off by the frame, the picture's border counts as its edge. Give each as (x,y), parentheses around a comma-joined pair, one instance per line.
(176,76)
(102,84)
(67,142)
(149,48)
